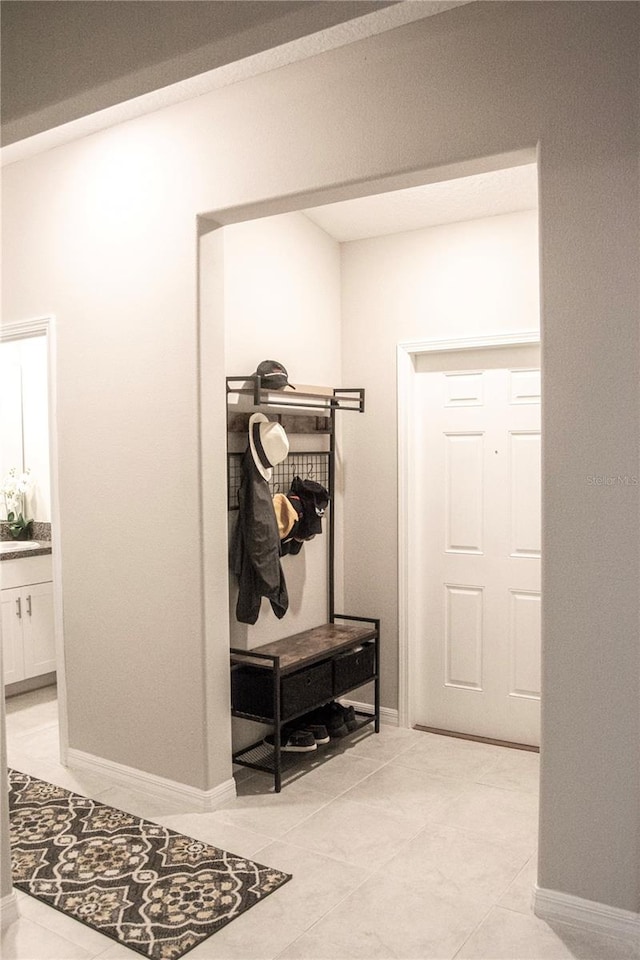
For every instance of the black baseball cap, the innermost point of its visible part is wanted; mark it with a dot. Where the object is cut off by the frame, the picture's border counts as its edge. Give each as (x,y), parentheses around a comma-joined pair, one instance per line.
(273,375)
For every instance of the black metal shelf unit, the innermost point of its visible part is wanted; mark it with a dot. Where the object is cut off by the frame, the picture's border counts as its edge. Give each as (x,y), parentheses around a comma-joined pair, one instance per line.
(280,681)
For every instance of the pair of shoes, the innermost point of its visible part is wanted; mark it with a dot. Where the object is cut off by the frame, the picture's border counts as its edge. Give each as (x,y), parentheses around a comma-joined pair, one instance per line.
(338,720)
(303,739)
(319,731)
(294,741)
(331,718)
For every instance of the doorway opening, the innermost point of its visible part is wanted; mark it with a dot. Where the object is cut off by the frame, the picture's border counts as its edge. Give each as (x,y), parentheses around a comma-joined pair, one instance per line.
(33,644)
(374,224)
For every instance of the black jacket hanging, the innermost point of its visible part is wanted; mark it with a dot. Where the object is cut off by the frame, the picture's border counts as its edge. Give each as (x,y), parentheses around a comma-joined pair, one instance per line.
(255,548)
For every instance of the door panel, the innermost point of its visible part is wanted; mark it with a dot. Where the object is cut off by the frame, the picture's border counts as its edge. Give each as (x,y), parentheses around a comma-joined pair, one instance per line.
(524,488)
(524,644)
(463,492)
(463,636)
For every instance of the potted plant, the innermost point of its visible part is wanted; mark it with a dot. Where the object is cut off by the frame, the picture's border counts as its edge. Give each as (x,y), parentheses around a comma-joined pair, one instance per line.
(14,490)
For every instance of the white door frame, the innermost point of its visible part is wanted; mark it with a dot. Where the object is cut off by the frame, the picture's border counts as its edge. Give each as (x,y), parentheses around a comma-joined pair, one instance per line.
(20,330)
(407,630)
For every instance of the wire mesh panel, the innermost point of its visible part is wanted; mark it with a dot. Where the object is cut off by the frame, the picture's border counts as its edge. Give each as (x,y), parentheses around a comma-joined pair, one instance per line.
(308,465)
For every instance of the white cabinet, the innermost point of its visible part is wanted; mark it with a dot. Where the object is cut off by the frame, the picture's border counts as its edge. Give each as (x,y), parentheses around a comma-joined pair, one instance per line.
(28,635)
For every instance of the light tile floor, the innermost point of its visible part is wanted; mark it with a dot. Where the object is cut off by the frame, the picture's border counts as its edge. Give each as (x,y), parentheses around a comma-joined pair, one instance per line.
(403,845)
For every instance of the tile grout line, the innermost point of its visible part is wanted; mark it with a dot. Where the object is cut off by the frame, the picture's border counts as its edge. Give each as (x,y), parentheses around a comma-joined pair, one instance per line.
(284,837)
(495,905)
(338,797)
(367,877)
(473,932)
(350,863)
(515,879)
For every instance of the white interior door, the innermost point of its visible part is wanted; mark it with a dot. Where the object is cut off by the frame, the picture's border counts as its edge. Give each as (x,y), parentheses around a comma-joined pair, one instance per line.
(478,555)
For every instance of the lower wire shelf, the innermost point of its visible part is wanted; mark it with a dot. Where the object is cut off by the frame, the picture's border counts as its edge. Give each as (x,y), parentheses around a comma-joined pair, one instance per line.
(261,755)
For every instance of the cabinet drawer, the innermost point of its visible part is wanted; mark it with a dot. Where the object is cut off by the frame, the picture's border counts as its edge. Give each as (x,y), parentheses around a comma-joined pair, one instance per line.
(252,690)
(353,668)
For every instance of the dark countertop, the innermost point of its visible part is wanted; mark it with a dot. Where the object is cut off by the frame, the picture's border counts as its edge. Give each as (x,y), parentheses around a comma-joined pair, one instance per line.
(22,550)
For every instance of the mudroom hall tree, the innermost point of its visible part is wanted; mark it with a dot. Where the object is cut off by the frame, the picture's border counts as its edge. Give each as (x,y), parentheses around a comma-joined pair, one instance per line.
(281,481)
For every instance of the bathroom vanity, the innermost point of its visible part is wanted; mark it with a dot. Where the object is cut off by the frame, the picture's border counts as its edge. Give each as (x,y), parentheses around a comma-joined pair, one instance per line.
(26,597)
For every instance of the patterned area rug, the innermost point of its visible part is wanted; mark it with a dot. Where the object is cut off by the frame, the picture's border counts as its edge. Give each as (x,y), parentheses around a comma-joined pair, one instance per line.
(156,891)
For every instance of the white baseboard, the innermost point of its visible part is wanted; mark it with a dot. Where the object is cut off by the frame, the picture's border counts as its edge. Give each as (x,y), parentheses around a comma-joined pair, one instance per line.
(387,715)
(8,910)
(551,905)
(149,783)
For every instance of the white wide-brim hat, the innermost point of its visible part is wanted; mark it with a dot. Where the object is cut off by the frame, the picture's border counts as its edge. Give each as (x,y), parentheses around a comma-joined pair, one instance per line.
(269,443)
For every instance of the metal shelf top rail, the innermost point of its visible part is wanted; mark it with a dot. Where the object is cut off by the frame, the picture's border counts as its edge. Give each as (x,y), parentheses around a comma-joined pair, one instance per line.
(341,398)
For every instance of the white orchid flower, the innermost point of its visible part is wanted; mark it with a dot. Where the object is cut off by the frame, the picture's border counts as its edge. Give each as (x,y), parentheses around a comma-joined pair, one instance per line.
(14,490)
(25,481)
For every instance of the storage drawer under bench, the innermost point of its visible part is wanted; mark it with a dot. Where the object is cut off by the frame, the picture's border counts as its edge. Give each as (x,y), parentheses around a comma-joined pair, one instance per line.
(252,690)
(353,668)
(252,687)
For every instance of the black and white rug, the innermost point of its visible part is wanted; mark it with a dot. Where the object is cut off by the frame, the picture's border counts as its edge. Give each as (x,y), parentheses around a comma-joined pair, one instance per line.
(154,890)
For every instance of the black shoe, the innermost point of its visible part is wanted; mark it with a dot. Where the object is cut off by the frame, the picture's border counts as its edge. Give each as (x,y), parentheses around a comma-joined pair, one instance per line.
(319,731)
(294,741)
(350,718)
(338,714)
(333,719)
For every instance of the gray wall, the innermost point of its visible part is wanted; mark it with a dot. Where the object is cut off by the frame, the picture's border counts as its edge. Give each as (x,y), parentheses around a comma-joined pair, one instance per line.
(281,273)
(63,60)
(101,232)
(460,280)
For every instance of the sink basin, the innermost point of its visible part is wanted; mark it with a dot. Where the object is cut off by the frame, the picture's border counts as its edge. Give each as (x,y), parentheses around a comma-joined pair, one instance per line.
(11,546)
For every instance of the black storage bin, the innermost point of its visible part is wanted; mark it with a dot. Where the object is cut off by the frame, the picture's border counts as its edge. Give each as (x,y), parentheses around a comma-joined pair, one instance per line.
(353,668)
(252,690)
(305,689)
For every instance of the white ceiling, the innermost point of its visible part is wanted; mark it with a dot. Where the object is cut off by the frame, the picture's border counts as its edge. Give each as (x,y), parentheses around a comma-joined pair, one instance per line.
(450,201)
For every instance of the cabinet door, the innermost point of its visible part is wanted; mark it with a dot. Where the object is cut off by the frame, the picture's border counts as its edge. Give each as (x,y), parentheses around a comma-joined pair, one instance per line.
(38,629)
(12,619)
